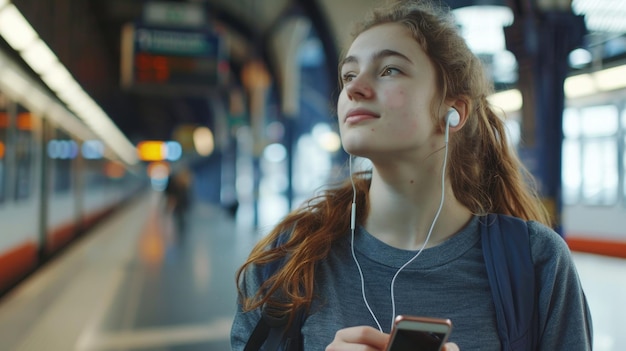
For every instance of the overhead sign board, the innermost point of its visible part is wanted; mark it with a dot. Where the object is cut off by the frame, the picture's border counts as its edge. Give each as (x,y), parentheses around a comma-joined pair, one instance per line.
(170,60)
(181,14)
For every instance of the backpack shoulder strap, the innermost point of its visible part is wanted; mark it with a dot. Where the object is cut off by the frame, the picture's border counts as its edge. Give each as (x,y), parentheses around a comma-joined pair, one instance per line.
(506,248)
(271,332)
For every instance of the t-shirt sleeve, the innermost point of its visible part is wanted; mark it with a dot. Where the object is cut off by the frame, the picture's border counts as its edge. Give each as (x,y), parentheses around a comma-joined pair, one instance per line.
(564,316)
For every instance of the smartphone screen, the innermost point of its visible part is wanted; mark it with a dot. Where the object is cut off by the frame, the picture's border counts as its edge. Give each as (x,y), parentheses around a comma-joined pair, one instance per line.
(419,334)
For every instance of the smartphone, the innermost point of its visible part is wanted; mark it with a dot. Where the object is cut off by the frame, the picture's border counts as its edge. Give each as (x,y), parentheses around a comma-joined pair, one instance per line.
(411,333)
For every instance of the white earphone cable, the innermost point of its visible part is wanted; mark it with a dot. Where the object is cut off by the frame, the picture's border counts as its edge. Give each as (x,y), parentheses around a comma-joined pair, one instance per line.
(432,226)
(430,231)
(358,266)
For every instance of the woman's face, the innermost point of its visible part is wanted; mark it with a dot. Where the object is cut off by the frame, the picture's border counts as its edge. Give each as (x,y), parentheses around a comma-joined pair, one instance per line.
(385,104)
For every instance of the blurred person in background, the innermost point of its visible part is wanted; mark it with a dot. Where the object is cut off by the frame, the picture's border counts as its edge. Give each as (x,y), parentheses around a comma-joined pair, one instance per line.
(178,199)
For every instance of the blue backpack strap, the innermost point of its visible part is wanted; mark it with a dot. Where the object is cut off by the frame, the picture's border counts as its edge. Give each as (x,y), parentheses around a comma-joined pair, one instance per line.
(506,248)
(271,332)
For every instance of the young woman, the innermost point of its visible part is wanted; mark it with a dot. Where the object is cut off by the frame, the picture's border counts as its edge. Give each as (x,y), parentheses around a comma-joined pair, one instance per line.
(408,81)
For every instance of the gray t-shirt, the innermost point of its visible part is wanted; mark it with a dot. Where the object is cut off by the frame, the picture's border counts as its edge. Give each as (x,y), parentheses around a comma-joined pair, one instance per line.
(445,281)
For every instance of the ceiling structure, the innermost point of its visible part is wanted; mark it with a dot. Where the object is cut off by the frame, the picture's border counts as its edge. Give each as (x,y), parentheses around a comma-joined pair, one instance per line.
(86,35)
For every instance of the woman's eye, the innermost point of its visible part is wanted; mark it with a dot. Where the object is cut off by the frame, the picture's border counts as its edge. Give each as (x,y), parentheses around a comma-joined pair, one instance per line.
(347,77)
(388,71)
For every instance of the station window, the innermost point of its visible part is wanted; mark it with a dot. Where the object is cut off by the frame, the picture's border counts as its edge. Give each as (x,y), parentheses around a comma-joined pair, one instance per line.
(599,125)
(572,164)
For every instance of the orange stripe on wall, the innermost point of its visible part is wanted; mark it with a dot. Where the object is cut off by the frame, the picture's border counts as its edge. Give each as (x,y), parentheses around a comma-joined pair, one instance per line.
(16,263)
(597,246)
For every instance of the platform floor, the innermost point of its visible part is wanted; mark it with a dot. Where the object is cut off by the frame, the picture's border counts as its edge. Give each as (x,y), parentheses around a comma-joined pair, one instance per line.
(132,284)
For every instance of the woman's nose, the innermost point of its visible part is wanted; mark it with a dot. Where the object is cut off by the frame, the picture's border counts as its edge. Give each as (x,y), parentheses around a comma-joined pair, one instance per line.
(360,87)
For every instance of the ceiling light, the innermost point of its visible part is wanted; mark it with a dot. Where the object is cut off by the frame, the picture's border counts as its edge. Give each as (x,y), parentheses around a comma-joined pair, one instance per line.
(39,56)
(611,78)
(58,78)
(602,15)
(481,26)
(509,100)
(15,28)
(579,85)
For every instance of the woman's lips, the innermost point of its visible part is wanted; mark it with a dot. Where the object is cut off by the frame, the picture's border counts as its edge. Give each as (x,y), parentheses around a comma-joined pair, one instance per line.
(358,115)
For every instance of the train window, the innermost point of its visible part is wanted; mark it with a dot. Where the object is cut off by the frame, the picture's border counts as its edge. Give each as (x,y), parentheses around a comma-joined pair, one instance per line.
(24,153)
(571,169)
(4,126)
(599,126)
(62,149)
(623,172)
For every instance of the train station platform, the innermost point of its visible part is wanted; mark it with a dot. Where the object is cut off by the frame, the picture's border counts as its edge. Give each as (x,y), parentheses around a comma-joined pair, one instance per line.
(133,284)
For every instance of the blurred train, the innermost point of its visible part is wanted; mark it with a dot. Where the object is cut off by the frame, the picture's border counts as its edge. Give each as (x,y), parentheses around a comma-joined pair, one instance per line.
(56,178)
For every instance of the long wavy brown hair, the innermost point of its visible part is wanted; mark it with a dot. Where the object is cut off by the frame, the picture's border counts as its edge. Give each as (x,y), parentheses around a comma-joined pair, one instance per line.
(486,175)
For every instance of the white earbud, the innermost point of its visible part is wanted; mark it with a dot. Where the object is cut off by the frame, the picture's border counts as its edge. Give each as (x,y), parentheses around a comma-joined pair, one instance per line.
(452,120)
(452,117)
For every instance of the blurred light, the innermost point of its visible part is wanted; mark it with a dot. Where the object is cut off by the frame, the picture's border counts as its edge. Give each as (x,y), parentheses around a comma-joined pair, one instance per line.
(3,2)
(311,53)
(62,149)
(2,149)
(151,150)
(275,153)
(158,170)
(173,151)
(53,149)
(114,170)
(24,121)
(579,58)
(602,15)
(508,100)
(203,141)
(72,147)
(579,85)
(481,26)
(325,137)
(254,75)
(574,87)
(611,78)
(58,78)
(330,141)
(15,28)
(93,149)
(39,56)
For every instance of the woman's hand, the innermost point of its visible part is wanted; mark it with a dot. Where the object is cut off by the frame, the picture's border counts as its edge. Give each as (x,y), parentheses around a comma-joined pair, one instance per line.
(359,338)
(367,339)
(450,346)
